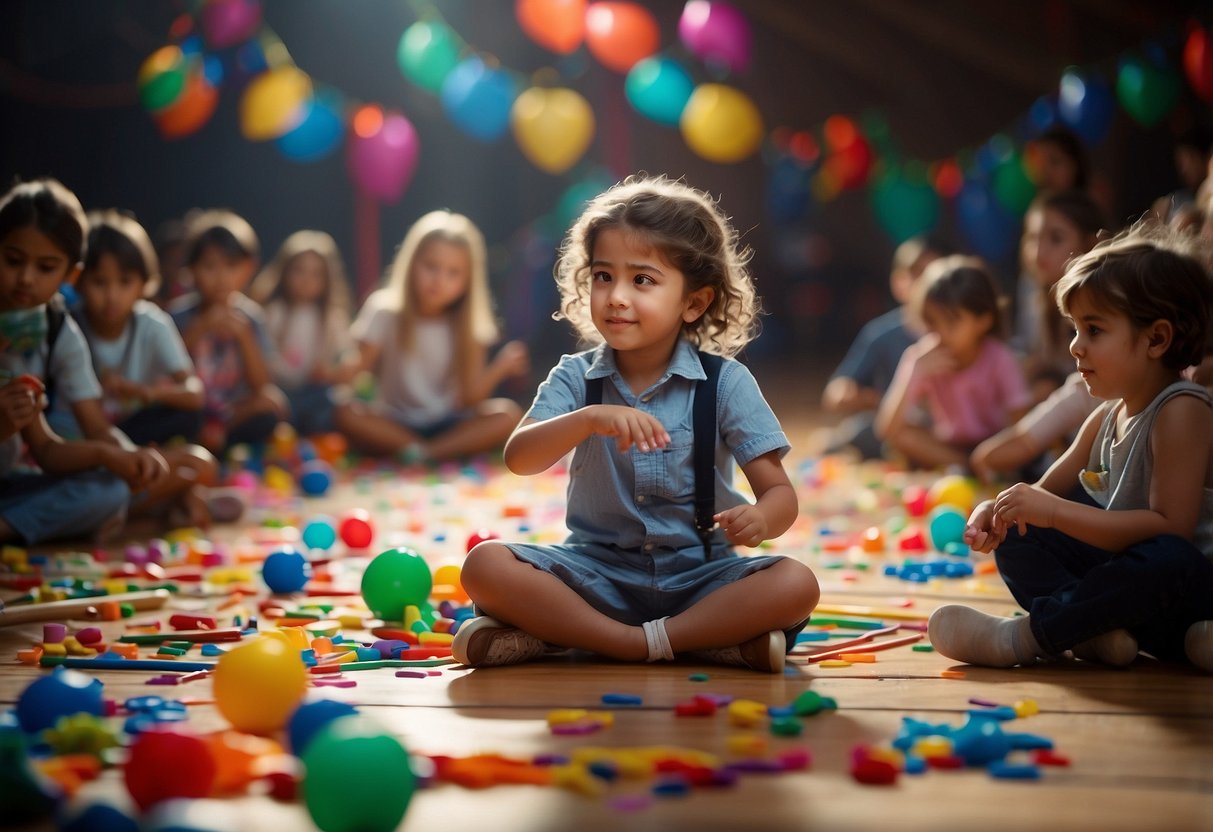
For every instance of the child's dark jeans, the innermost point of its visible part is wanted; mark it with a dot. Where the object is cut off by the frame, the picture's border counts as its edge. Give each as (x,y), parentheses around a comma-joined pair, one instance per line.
(1073,591)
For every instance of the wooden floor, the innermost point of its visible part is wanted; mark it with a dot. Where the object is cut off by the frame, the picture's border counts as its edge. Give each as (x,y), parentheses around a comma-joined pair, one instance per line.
(1140,741)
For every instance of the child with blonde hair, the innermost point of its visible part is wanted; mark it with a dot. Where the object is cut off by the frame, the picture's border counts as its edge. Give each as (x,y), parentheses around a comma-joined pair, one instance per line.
(306,298)
(426,336)
(657,416)
(1134,569)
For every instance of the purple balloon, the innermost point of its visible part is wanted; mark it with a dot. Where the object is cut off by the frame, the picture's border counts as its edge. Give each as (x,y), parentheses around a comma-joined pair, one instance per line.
(383,164)
(229,22)
(717,33)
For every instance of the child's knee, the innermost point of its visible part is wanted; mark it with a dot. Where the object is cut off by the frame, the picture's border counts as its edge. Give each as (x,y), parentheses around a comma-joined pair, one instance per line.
(481,564)
(798,585)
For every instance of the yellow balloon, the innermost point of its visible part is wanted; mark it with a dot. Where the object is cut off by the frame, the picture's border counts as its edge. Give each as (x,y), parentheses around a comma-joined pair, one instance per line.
(721,124)
(258,685)
(553,127)
(273,103)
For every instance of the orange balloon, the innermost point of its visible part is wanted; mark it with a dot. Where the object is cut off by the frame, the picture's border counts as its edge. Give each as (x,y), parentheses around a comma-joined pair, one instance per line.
(558,25)
(191,110)
(620,34)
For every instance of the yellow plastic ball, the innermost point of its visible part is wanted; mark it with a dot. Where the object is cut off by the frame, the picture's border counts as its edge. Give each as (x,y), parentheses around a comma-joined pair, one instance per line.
(259,685)
(953,490)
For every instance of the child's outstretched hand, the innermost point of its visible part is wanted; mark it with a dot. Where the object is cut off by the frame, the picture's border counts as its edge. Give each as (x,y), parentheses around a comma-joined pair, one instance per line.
(513,359)
(629,426)
(1023,504)
(984,533)
(140,467)
(743,525)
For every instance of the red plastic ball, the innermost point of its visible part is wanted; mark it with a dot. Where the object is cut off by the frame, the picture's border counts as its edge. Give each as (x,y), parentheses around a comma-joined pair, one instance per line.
(479,536)
(166,764)
(356,529)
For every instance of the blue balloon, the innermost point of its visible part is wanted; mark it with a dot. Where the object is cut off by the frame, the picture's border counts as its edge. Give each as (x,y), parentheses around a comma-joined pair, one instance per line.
(320,132)
(989,228)
(659,88)
(478,99)
(1086,105)
(1042,114)
(789,192)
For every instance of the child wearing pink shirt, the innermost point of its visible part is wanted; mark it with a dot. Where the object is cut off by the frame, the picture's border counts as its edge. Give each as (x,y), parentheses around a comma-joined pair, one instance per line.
(961,371)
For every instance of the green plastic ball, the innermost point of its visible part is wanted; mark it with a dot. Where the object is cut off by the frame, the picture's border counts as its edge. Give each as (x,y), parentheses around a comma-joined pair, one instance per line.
(357,777)
(396,579)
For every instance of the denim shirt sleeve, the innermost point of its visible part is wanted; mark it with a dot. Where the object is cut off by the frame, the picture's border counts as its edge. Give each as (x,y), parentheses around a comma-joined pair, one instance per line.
(563,391)
(747,423)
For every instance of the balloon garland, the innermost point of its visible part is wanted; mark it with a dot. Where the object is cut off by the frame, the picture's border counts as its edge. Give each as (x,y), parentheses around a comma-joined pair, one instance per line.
(227,42)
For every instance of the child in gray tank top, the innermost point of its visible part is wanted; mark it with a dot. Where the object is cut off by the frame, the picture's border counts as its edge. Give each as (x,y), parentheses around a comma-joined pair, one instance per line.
(1132,569)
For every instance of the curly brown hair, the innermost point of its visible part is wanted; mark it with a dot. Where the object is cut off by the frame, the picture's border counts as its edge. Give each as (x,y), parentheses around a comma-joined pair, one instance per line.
(690,231)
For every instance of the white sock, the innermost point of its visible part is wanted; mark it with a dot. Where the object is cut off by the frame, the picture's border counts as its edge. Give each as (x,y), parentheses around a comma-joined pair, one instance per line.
(971,636)
(657,640)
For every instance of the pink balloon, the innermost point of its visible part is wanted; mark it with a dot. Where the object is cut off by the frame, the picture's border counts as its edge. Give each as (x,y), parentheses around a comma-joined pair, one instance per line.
(716,33)
(229,22)
(383,162)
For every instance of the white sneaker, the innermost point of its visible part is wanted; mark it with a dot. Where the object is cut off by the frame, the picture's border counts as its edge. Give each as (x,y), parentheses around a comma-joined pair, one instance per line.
(486,642)
(765,653)
(1198,645)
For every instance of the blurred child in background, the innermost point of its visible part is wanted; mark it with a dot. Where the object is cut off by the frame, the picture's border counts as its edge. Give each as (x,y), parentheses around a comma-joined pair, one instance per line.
(867,369)
(306,298)
(961,369)
(79,488)
(224,331)
(150,390)
(1129,567)
(426,335)
(1058,225)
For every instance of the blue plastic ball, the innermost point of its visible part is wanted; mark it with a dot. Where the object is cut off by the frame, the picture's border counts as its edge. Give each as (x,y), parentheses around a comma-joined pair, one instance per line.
(315,478)
(310,717)
(286,571)
(320,532)
(63,693)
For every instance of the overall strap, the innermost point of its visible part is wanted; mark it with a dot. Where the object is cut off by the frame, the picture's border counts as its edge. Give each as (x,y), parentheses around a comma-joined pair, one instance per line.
(593,391)
(56,315)
(703,423)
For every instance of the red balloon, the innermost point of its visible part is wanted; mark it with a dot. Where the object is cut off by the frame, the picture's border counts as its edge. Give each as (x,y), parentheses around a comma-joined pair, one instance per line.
(1198,61)
(165,764)
(620,34)
(558,25)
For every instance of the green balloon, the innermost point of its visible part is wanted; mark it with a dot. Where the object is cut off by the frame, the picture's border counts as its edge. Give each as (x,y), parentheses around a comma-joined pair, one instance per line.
(357,777)
(162,89)
(1012,186)
(428,51)
(1147,92)
(905,206)
(396,579)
